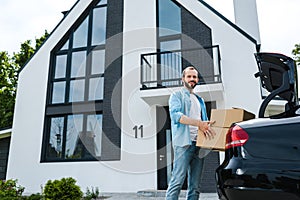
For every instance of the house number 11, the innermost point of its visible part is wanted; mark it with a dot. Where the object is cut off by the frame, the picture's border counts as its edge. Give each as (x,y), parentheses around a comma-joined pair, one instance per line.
(135,128)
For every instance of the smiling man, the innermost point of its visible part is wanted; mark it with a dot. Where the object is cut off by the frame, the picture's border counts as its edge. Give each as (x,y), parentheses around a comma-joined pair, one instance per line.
(188,114)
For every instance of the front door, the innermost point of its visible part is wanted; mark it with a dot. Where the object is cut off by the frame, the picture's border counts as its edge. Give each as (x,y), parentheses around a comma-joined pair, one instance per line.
(164,147)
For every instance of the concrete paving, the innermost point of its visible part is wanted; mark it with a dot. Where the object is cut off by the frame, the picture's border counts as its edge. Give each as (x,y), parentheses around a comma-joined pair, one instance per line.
(153,195)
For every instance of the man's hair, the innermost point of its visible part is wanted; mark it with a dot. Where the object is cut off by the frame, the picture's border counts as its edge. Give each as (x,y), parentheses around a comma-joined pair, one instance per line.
(189,68)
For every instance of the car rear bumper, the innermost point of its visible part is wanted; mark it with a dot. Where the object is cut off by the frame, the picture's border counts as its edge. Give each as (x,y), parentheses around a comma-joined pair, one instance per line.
(255,185)
(257,178)
(257,194)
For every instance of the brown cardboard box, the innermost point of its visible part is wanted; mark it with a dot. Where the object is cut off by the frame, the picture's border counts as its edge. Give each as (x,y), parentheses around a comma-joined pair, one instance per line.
(224,118)
(217,143)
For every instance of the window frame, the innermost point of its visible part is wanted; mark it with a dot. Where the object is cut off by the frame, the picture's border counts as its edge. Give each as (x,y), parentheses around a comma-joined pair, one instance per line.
(64,109)
(63,157)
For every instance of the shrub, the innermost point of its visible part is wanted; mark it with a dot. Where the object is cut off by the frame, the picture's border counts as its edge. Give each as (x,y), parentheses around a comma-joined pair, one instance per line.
(64,189)
(36,196)
(92,194)
(10,190)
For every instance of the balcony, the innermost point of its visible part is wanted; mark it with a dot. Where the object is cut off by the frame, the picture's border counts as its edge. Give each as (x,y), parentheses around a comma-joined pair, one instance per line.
(162,70)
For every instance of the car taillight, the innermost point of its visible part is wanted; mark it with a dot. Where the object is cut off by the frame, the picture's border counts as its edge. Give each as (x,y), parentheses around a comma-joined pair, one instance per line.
(236,136)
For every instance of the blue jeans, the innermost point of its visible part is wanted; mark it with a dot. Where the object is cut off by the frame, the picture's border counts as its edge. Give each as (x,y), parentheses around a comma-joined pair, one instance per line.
(186,161)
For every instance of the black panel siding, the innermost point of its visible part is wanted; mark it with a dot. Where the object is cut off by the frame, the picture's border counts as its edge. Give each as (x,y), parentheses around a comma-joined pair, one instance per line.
(195,29)
(208,182)
(111,140)
(211,162)
(196,34)
(4,150)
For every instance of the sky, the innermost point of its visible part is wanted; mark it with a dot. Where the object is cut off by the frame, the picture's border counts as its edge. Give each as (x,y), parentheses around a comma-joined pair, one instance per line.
(22,20)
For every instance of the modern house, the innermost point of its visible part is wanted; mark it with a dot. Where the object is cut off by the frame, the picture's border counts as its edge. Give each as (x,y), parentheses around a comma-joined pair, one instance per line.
(92,103)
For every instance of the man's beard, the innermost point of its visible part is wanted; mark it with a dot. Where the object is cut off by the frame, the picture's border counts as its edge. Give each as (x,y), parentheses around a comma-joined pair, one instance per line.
(188,86)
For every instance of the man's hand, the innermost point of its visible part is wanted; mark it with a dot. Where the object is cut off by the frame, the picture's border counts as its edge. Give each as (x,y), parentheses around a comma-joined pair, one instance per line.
(204,126)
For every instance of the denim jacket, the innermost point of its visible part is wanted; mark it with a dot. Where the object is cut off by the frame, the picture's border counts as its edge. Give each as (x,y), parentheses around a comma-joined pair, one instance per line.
(180,104)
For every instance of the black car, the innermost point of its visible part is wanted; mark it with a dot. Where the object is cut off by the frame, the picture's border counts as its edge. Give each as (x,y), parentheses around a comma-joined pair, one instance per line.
(262,156)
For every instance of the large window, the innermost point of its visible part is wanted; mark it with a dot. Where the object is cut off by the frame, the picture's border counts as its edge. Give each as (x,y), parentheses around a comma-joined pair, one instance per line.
(74,110)
(169,23)
(75,137)
(79,63)
(169,18)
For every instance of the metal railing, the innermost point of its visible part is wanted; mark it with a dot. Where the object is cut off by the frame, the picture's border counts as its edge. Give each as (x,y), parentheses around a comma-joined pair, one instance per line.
(163,69)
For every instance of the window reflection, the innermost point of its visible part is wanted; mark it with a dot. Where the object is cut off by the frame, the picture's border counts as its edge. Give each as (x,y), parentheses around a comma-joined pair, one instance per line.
(78,64)
(170,45)
(60,67)
(99,26)
(98,58)
(170,63)
(169,18)
(58,93)
(56,137)
(74,128)
(65,46)
(102,2)
(80,35)
(96,88)
(94,133)
(79,142)
(76,90)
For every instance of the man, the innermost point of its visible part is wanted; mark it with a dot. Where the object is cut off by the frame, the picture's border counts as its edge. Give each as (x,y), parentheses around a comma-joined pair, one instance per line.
(188,114)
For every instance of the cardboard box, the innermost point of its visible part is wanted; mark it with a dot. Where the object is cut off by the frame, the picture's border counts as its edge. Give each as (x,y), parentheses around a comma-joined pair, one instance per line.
(217,143)
(224,119)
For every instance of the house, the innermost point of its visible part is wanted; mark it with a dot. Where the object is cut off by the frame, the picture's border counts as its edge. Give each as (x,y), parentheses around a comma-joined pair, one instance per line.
(92,102)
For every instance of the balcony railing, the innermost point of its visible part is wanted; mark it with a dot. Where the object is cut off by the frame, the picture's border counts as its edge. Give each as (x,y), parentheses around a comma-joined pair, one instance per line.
(163,69)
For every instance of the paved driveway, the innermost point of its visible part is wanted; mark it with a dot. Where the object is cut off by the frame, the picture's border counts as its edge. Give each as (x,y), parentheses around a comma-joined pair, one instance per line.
(153,196)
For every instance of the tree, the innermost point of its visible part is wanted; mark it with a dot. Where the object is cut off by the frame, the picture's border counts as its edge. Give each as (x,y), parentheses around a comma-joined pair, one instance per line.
(296,53)
(7,91)
(9,67)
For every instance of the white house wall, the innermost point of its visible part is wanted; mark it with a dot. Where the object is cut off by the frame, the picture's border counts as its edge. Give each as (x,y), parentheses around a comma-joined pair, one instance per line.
(138,155)
(245,14)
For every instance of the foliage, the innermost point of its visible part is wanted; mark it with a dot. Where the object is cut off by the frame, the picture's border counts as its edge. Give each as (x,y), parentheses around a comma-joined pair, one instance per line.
(296,53)
(9,67)
(25,53)
(8,74)
(9,189)
(64,189)
(36,196)
(92,194)
(40,41)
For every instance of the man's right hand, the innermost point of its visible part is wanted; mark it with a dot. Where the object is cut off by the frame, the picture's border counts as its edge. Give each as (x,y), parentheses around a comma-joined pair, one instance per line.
(205,127)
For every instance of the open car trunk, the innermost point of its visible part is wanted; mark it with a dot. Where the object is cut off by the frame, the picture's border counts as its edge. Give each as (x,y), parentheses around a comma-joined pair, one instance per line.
(278,75)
